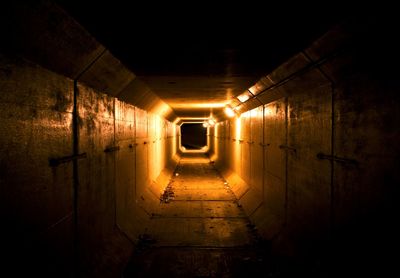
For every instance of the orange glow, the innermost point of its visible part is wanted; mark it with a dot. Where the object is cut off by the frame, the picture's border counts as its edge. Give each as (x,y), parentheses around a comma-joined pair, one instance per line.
(161,108)
(176,121)
(255,113)
(202,150)
(229,94)
(188,160)
(244,96)
(198,105)
(246,114)
(253,89)
(238,128)
(268,111)
(214,156)
(229,112)
(156,150)
(192,118)
(174,139)
(237,147)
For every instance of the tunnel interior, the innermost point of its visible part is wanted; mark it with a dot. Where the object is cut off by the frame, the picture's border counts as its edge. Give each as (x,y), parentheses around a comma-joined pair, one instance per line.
(193,136)
(300,111)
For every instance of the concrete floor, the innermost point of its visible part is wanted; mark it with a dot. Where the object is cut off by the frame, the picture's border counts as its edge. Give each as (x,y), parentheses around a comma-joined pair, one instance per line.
(198,230)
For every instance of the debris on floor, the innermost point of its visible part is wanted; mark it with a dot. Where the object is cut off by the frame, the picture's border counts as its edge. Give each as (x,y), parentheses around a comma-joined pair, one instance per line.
(168,194)
(202,232)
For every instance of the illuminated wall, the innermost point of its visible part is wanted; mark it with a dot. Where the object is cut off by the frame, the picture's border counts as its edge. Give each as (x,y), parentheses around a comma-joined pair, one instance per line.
(125,158)
(318,160)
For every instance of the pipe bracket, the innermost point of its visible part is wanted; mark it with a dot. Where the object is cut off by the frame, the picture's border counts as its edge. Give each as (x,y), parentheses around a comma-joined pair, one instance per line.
(54,162)
(111,149)
(264,145)
(337,159)
(287,148)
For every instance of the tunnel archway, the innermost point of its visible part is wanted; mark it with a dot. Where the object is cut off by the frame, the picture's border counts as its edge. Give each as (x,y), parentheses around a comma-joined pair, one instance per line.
(305,165)
(193,137)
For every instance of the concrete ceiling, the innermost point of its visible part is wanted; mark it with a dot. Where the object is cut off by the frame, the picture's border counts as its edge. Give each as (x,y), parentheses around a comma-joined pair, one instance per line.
(196,58)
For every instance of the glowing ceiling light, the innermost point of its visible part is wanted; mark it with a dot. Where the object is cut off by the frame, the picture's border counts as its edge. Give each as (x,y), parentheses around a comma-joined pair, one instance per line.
(244,96)
(198,105)
(229,112)
(211,122)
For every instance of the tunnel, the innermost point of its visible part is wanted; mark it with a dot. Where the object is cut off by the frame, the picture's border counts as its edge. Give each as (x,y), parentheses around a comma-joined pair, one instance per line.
(156,140)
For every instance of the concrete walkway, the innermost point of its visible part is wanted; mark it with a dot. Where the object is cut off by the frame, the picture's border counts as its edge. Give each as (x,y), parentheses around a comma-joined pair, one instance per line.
(198,230)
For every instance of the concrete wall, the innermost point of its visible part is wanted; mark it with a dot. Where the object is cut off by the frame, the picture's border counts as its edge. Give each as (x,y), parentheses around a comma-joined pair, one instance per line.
(81,163)
(318,163)
(125,159)
(36,199)
(45,34)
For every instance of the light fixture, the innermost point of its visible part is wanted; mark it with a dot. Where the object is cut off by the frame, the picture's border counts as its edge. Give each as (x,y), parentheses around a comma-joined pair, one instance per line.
(229,112)
(205,124)
(244,96)
(211,122)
